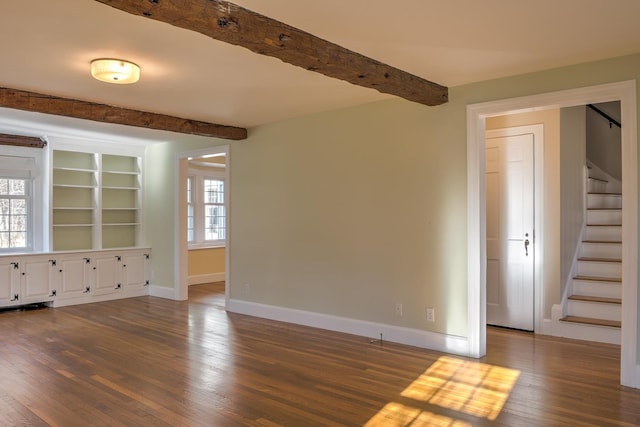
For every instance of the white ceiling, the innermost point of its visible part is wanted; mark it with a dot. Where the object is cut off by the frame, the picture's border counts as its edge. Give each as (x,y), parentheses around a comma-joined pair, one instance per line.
(46,47)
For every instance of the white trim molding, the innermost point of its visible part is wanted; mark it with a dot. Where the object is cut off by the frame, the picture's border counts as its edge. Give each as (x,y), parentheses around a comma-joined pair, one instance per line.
(162,292)
(625,92)
(373,331)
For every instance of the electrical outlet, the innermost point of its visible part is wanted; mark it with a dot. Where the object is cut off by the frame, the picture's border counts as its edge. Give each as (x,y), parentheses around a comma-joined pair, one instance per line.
(398,309)
(431,314)
(247,288)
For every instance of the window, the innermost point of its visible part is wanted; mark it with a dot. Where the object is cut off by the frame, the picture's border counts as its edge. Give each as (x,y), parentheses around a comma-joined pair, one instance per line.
(206,210)
(190,219)
(14,213)
(20,199)
(214,212)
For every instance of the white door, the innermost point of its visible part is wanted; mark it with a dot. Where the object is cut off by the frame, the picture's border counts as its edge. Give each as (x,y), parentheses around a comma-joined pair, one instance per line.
(510,261)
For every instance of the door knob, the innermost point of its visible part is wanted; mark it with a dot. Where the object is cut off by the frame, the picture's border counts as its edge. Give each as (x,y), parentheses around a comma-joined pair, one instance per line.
(526,244)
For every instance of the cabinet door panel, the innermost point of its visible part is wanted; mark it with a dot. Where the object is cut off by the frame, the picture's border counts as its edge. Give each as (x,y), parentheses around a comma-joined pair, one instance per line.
(9,284)
(36,281)
(134,268)
(75,280)
(106,277)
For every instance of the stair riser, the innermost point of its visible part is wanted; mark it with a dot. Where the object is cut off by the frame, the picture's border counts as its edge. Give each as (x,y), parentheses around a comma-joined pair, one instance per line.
(594,186)
(590,333)
(607,234)
(604,216)
(597,289)
(601,201)
(595,310)
(601,250)
(599,269)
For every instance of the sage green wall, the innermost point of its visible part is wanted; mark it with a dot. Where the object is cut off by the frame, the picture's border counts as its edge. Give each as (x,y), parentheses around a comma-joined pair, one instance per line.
(348,212)
(159,176)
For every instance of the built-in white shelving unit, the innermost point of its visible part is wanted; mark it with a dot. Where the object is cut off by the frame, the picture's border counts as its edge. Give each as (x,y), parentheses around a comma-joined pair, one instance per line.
(96,200)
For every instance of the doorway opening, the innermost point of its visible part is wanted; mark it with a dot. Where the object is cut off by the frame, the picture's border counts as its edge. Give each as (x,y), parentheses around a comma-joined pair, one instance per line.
(476,126)
(202,190)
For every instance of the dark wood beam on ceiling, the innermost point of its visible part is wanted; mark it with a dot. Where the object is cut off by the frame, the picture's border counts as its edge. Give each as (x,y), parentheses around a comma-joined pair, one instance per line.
(22,141)
(49,104)
(236,25)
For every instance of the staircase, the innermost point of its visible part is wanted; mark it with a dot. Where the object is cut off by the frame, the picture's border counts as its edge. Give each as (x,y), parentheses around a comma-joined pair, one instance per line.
(596,298)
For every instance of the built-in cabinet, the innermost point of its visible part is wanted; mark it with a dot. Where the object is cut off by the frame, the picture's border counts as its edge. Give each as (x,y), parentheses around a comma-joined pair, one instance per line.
(96,200)
(66,278)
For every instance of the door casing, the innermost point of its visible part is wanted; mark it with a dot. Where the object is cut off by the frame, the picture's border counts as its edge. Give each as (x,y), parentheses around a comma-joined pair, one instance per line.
(625,92)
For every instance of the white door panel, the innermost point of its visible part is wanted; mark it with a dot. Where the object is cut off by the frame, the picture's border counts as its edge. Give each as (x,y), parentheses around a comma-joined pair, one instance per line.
(509,204)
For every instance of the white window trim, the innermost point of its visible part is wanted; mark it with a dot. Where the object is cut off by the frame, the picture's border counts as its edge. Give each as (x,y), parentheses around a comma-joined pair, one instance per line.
(37,205)
(213,172)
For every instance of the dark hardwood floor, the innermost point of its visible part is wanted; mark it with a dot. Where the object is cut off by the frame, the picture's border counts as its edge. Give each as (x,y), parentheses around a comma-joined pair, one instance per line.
(154,362)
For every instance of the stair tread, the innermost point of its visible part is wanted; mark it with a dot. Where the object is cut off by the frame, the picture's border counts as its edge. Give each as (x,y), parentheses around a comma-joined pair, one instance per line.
(589,298)
(603,241)
(598,179)
(605,194)
(591,321)
(604,225)
(594,259)
(604,209)
(599,279)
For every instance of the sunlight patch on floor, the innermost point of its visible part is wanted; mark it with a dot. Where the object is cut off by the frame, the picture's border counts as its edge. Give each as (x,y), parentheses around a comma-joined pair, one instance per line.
(451,385)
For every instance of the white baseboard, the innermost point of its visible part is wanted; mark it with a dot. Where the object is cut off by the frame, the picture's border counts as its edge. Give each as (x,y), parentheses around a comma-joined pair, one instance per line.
(414,337)
(162,292)
(198,279)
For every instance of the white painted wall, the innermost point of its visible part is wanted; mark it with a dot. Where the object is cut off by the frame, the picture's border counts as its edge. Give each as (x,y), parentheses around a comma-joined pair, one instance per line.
(572,178)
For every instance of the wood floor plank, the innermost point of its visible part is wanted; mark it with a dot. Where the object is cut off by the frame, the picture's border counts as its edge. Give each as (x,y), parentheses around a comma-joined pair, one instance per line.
(155,362)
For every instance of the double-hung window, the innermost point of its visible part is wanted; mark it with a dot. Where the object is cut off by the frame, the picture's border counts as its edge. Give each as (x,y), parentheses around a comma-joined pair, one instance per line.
(17,203)
(15,209)
(206,209)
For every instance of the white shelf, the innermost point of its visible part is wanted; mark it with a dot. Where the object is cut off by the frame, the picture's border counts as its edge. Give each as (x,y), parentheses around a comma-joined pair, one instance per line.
(119,188)
(120,209)
(74,186)
(73,208)
(118,224)
(121,172)
(58,168)
(73,225)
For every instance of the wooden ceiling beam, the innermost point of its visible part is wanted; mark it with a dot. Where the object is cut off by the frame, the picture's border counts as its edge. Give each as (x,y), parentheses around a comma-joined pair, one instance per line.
(22,141)
(49,104)
(236,25)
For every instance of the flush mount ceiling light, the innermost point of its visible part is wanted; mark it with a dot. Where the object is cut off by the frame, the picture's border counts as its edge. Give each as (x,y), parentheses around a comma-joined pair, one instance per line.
(116,71)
